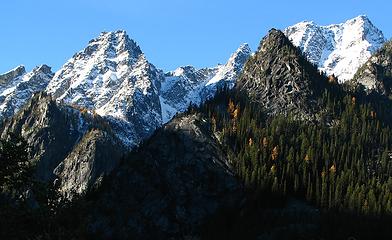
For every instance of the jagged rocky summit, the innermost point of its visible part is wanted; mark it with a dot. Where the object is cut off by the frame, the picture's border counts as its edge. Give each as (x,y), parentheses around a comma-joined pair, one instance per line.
(279,77)
(113,78)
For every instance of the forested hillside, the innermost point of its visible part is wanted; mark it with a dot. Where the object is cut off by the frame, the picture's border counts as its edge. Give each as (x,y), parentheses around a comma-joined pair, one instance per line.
(340,164)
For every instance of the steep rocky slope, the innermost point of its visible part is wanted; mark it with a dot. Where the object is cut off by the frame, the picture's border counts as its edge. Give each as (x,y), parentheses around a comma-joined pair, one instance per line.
(338,49)
(80,146)
(376,73)
(17,86)
(168,187)
(94,156)
(280,78)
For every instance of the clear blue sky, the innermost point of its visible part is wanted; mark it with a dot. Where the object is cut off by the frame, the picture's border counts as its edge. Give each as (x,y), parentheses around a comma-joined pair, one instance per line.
(170,32)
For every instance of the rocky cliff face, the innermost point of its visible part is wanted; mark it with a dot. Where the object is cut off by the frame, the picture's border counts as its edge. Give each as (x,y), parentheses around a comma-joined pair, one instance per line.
(338,49)
(17,86)
(376,73)
(91,159)
(73,142)
(280,78)
(178,178)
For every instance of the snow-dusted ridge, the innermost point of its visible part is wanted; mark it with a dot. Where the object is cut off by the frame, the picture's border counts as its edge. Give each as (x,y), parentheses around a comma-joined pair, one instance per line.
(17,86)
(187,85)
(338,49)
(113,78)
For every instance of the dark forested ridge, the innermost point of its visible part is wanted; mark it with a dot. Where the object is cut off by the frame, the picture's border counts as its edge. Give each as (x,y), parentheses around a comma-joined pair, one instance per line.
(345,156)
(340,164)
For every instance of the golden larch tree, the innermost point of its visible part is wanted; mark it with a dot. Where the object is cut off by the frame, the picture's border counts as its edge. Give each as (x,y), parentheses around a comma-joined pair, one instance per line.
(275,153)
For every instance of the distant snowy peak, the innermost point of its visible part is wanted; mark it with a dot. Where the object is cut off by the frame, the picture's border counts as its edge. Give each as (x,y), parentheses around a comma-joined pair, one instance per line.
(187,85)
(12,75)
(191,74)
(338,49)
(17,87)
(233,67)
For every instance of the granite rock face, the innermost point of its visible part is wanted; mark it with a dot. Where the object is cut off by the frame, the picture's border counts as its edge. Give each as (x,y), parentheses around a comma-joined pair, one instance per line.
(94,157)
(280,78)
(168,187)
(376,74)
(80,146)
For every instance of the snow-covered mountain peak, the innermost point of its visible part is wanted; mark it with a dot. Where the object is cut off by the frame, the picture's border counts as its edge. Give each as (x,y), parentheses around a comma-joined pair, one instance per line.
(113,78)
(183,70)
(17,70)
(111,45)
(361,20)
(94,74)
(42,70)
(338,49)
(231,70)
(241,54)
(17,86)
(244,48)
(12,74)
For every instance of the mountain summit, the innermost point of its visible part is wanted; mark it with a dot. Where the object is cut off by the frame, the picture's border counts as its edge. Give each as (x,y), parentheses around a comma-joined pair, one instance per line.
(113,78)
(17,86)
(279,77)
(338,49)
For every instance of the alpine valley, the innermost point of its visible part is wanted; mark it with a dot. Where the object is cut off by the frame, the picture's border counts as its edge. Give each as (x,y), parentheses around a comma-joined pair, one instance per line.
(292,141)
